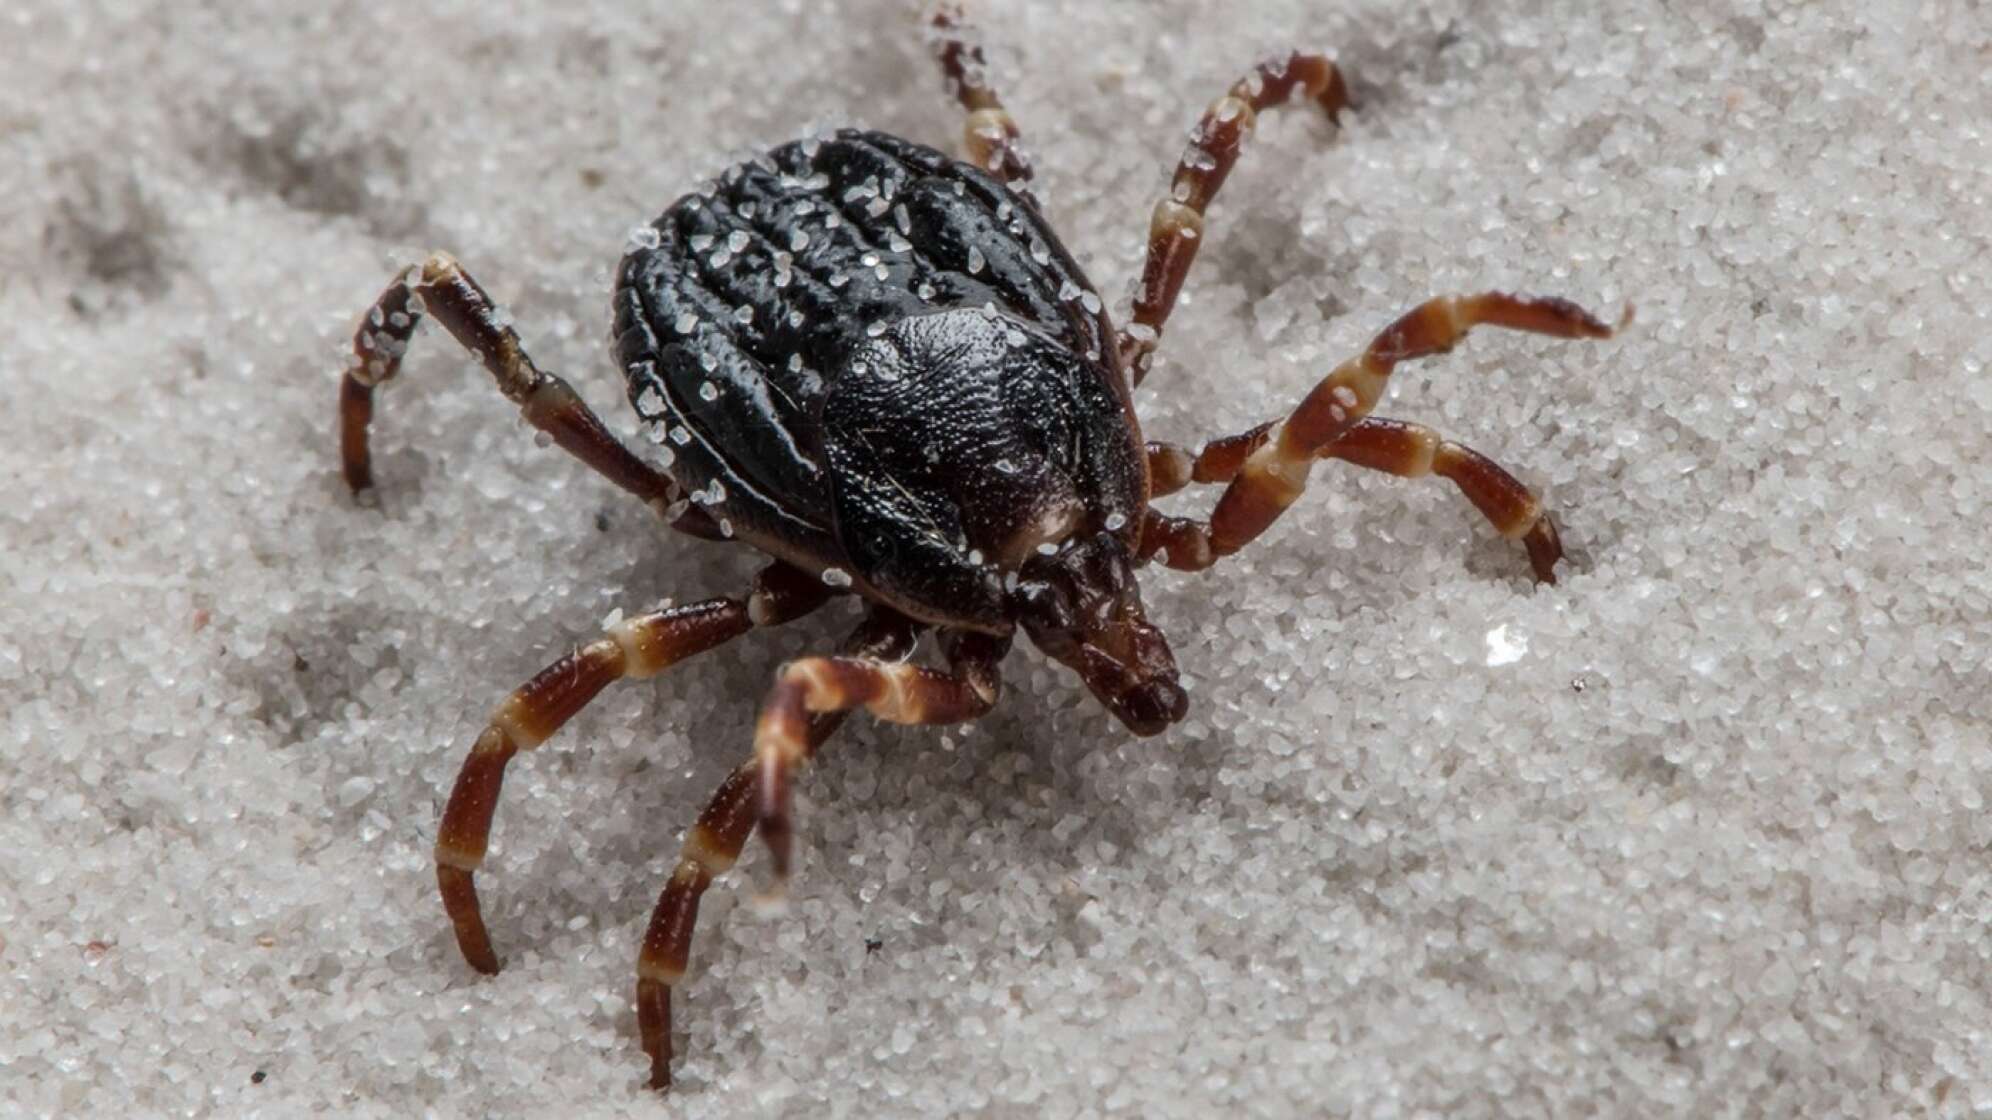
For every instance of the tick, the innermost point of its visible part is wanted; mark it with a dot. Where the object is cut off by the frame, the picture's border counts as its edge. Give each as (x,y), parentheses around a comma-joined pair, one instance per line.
(878,366)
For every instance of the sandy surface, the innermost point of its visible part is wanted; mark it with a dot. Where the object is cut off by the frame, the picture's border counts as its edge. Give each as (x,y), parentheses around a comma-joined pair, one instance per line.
(1699,831)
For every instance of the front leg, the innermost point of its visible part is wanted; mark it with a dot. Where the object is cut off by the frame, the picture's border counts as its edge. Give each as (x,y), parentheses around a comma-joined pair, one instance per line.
(893,691)
(1276,457)
(714,843)
(1396,447)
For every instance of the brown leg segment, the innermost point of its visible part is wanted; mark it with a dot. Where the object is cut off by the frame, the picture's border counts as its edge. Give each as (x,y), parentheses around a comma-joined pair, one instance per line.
(712,846)
(1396,447)
(990,134)
(1276,458)
(636,647)
(440,287)
(1414,450)
(1176,228)
(1170,468)
(894,692)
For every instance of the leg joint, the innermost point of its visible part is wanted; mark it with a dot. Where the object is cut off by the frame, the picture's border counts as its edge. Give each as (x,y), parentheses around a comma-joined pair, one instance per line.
(647,969)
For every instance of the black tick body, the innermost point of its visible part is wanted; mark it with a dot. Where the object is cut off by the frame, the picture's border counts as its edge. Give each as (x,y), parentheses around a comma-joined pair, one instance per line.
(878,365)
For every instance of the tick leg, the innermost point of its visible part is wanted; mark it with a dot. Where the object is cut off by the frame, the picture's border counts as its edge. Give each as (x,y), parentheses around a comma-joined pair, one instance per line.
(440,287)
(893,691)
(1414,450)
(990,134)
(635,647)
(1396,447)
(712,846)
(1170,468)
(1271,462)
(1176,228)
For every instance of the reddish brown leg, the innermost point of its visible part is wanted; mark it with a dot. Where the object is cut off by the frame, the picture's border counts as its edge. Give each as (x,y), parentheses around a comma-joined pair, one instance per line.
(1414,450)
(1397,447)
(894,692)
(712,846)
(440,287)
(635,647)
(1274,460)
(1170,468)
(990,134)
(1176,228)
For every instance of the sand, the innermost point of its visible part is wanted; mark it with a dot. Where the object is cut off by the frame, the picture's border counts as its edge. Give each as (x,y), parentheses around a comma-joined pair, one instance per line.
(1699,830)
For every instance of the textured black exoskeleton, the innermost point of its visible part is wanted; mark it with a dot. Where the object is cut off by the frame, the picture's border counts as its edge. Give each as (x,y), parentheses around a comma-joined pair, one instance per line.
(890,367)
(877,365)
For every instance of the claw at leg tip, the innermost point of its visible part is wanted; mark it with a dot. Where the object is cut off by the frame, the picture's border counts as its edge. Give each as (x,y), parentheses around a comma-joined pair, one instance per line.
(773,901)
(475,945)
(779,840)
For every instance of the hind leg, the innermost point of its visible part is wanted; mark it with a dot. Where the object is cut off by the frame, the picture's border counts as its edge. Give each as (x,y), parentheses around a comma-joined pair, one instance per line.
(440,287)
(990,134)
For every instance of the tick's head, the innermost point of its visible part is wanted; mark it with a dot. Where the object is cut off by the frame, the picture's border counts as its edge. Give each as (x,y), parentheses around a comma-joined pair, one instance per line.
(1081,605)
